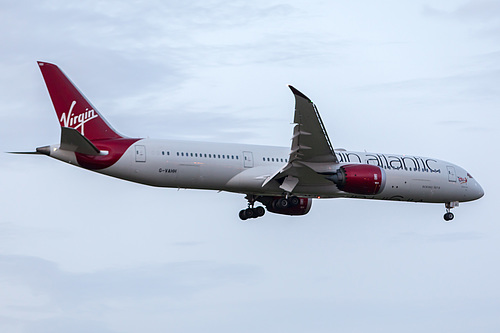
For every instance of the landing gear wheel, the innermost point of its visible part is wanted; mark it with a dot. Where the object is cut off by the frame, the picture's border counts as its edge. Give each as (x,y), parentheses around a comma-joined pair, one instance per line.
(448,216)
(294,201)
(282,203)
(250,213)
(259,211)
(449,205)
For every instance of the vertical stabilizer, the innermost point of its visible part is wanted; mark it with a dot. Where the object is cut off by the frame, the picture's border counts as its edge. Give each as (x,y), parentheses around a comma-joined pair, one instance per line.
(72,108)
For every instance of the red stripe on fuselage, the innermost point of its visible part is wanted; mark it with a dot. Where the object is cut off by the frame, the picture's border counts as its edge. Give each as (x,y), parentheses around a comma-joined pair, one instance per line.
(115,148)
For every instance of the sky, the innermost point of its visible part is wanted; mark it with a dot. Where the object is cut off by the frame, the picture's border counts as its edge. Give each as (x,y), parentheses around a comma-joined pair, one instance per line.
(85,252)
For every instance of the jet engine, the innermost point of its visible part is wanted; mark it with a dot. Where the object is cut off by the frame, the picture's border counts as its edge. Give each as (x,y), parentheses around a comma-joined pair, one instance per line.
(287,206)
(362,179)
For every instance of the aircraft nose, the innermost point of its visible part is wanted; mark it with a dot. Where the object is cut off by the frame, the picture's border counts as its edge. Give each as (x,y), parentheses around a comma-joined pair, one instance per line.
(478,190)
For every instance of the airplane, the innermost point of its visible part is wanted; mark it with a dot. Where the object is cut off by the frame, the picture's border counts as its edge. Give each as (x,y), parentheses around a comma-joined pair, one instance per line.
(284,180)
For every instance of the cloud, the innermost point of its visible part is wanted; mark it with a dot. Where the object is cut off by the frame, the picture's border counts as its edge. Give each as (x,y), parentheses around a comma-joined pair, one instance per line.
(479,10)
(483,16)
(182,279)
(482,10)
(126,64)
(56,300)
(381,74)
(443,237)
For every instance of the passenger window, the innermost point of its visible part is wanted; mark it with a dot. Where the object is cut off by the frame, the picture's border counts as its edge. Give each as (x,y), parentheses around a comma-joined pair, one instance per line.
(182,154)
(177,153)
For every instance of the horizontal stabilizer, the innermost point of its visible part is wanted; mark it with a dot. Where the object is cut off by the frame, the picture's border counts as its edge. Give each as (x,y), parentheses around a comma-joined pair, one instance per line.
(72,140)
(45,150)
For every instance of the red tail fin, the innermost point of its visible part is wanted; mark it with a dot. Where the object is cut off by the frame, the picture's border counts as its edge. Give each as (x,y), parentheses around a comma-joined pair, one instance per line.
(72,108)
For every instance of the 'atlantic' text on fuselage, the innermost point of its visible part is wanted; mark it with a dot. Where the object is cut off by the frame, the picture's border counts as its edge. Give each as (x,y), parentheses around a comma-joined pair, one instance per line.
(389,161)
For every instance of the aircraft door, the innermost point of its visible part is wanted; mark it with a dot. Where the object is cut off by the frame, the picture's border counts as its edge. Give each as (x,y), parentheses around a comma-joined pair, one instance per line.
(140,153)
(248,159)
(452,176)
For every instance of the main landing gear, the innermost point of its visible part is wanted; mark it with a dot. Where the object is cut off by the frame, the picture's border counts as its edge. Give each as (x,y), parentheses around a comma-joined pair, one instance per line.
(251,212)
(286,202)
(449,215)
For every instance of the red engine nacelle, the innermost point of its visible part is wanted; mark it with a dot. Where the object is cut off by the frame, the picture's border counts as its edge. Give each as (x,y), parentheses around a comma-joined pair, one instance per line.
(302,207)
(362,179)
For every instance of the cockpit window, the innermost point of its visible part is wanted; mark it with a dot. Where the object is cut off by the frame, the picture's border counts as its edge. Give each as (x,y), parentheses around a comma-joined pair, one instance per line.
(469,175)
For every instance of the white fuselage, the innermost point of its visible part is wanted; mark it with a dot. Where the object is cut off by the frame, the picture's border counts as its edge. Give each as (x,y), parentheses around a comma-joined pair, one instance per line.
(244,168)
(284,180)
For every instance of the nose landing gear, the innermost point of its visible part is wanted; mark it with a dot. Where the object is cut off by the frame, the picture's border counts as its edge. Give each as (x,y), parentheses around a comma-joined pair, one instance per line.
(449,215)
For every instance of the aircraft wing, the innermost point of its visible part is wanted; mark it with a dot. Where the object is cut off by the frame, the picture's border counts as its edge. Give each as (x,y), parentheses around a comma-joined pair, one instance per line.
(310,144)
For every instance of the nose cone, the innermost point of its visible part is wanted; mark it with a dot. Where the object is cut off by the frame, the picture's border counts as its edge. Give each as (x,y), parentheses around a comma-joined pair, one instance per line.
(480,191)
(477,190)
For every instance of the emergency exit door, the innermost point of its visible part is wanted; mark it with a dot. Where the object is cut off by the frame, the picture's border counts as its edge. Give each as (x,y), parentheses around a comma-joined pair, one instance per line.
(452,176)
(140,153)
(248,159)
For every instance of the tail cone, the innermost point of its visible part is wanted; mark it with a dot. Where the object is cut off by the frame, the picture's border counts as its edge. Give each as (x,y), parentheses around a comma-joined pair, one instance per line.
(43,150)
